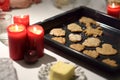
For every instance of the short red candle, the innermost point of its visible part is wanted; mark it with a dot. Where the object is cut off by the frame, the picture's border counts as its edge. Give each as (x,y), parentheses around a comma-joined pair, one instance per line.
(113,10)
(17,41)
(36,39)
(23,19)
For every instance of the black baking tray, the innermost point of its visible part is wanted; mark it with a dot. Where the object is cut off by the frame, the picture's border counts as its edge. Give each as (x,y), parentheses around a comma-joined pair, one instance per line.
(111,33)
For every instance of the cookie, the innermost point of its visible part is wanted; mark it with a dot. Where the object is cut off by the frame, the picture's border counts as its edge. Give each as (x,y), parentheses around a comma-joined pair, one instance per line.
(77,47)
(91,53)
(73,27)
(57,32)
(91,42)
(110,62)
(106,49)
(88,21)
(75,37)
(93,32)
(59,39)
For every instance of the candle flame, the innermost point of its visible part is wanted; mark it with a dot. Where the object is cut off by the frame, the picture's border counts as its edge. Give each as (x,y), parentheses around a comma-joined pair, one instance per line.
(34,29)
(16,27)
(22,16)
(113,5)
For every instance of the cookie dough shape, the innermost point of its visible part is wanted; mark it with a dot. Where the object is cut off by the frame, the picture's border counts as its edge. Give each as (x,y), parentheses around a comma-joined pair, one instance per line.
(91,53)
(110,62)
(75,37)
(88,21)
(73,27)
(106,49)
(77,47)
(57,32)
(91,42)
(93,32)
(59,39)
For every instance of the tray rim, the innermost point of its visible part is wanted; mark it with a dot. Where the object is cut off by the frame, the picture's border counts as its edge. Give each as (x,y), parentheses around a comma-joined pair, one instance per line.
(55,43)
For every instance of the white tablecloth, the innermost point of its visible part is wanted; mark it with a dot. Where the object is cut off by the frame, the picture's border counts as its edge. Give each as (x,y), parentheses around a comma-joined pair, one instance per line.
(38,13)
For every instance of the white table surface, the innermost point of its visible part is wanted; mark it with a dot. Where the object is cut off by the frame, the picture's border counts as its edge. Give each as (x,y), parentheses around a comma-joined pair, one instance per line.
(38,13)
(46,9)
(30,72)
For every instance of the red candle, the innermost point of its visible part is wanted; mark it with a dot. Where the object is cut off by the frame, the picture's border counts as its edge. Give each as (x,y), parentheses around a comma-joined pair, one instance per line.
(17,41)
(36,39)
(4,5)
(113,10)
(23,19)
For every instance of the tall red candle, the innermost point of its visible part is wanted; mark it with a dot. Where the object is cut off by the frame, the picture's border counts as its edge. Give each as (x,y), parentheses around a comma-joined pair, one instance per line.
(17,41)
(36,39)
(22,19)
(113,10)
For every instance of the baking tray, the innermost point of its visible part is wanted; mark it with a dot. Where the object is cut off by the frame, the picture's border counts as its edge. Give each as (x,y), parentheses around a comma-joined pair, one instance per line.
(111,34)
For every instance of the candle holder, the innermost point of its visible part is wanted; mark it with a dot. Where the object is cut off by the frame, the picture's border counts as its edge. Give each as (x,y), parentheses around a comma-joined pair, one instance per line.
(113,8)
